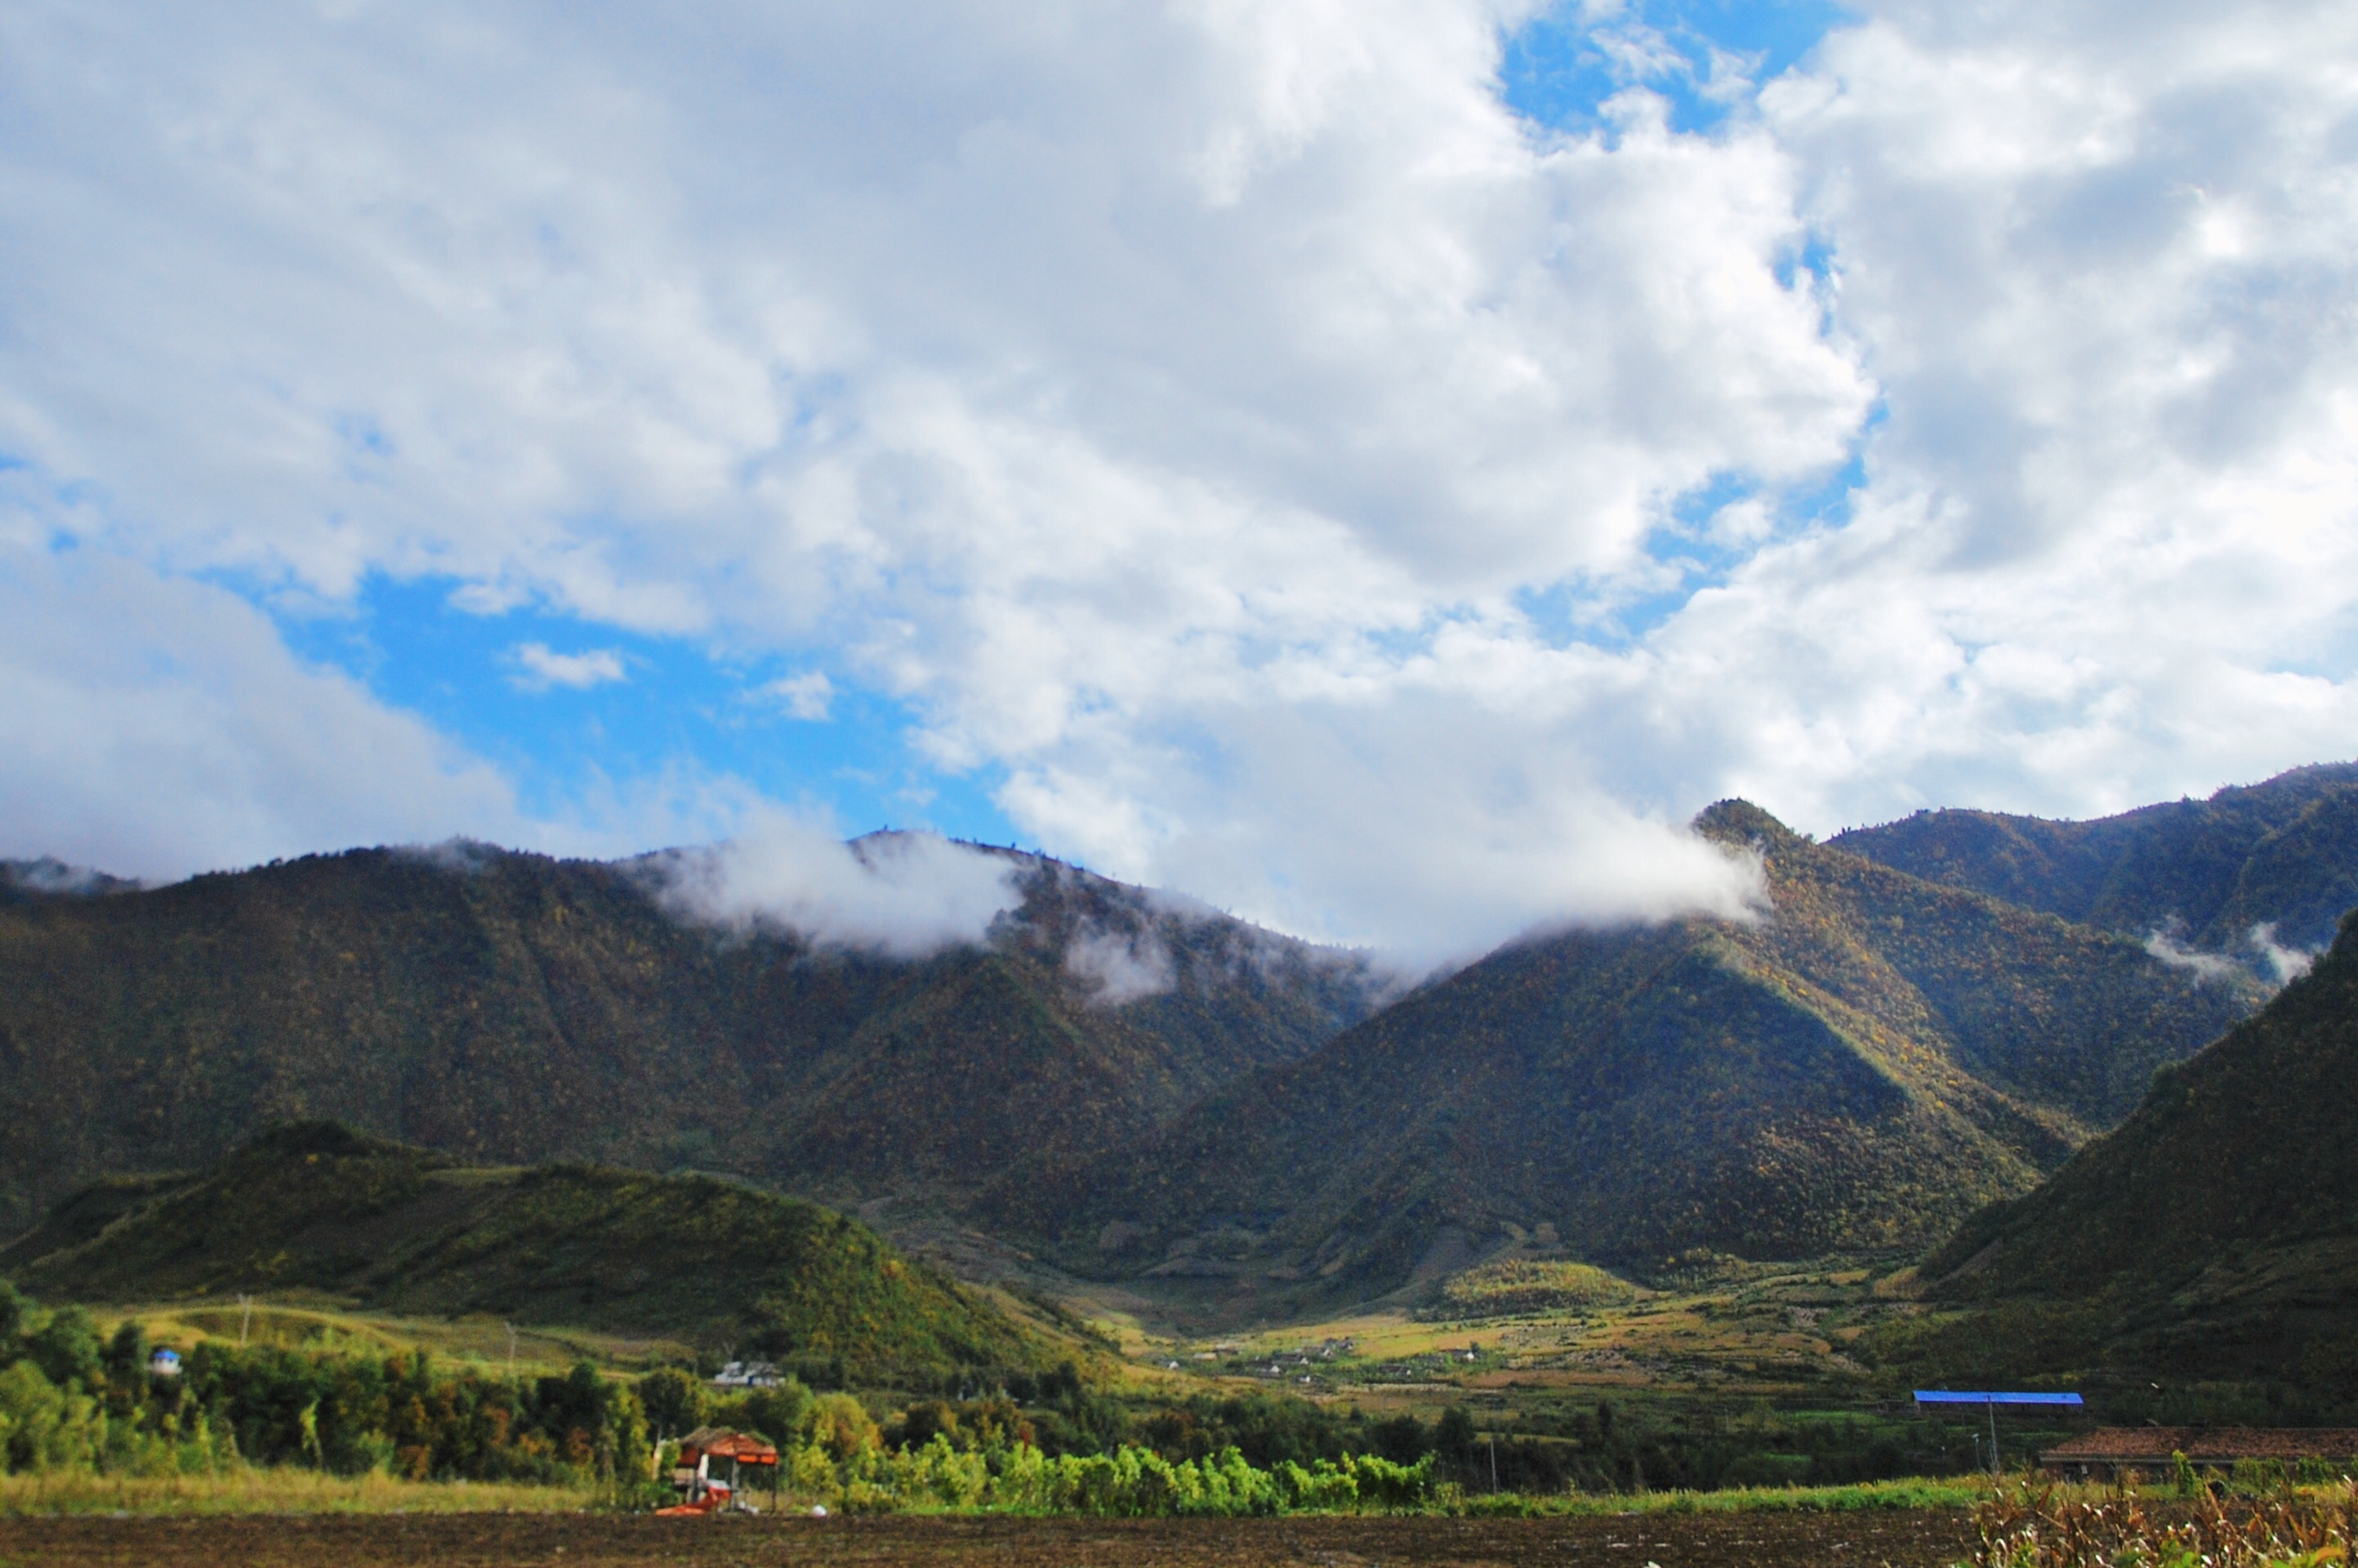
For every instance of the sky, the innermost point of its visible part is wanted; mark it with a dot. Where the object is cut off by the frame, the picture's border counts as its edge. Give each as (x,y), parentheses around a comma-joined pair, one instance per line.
(1379,469)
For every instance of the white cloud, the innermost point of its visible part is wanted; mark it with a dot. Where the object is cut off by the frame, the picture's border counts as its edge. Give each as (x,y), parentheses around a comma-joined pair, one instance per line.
(2287,964)
(1227,422)
(1120,968)
(538,668)
(2107,550)
(155,727)
(904,894)
(806,697)
(2171,949)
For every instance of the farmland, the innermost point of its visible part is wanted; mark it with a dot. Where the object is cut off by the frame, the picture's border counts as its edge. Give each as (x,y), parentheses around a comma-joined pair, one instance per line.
(1902,1538)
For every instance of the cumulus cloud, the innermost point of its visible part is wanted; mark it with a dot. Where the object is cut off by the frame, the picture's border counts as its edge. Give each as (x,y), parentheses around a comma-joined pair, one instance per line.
(1234,431)
(154,727)
(2100,264)
(908,894)
(538,668)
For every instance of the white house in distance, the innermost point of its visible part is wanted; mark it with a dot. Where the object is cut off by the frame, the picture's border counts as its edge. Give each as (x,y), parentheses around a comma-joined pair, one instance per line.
(748,1375)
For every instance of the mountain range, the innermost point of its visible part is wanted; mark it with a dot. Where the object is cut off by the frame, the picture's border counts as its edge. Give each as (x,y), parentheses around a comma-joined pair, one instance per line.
(510,1007)
(1860,1066)
(1918,1020)
(2259,872)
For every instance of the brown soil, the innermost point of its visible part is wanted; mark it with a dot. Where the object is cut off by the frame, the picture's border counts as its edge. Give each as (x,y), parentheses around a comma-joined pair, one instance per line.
(1903,1538)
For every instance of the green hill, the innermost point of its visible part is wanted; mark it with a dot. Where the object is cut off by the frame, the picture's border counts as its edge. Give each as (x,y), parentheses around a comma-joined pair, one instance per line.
(2283,853)
(512,1008)
(2214,1233)
(1861,1068)
(316,1208)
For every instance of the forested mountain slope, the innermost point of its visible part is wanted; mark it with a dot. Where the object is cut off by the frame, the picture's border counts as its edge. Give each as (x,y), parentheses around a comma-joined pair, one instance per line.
(317,1207)
(2283,853)
(2216,1230)
(512,1007)
(1861,1067)
(29,881)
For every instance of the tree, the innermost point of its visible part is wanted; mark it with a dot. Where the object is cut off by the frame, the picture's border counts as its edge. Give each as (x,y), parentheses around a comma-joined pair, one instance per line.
(928,1419)
(842,1425)
(1454,1435)
(1402,1438)
(126,1354)
(66,1347)
(674,1401)
(778,1414)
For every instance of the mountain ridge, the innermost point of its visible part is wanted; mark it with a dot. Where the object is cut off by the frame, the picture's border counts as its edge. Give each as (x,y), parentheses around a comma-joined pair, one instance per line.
(513,1007)
(2215,1231)
(2280,855)
(1820,1078)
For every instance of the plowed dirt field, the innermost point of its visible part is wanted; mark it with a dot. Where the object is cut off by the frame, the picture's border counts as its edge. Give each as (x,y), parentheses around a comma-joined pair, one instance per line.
(1902,1538)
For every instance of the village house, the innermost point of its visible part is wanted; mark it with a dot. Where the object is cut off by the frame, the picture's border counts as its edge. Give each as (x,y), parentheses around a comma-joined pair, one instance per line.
(748,1375)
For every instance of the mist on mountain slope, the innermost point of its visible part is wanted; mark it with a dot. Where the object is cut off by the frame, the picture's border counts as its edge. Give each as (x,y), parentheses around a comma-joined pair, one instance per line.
(903,894)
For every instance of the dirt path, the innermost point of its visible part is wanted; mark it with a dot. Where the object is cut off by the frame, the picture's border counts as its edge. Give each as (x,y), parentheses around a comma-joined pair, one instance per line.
(1903,1538)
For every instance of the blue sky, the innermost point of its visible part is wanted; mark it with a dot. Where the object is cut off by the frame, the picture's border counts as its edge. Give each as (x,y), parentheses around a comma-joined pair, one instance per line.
(1370,472)
(1556,71)
(676,707)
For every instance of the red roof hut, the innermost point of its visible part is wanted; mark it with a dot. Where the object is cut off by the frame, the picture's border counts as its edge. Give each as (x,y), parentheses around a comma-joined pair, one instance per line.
(716,1464)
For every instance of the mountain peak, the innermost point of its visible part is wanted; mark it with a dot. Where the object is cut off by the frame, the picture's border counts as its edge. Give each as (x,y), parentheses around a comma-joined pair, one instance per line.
(1738,821)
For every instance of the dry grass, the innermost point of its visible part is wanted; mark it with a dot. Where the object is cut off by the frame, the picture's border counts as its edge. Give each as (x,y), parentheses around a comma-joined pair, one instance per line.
(2053,1527)
(255,1491)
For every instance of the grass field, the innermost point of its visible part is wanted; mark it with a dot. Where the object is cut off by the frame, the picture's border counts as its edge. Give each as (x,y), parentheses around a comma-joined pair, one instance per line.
(279,1491)
(1768,1334)
(1764,1358)
(1774,1334)
(323,1325)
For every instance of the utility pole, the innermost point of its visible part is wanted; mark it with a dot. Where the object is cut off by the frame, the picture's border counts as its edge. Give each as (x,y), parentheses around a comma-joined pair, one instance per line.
(1993,1414)
(511,1328)
(245,1318)
(1494,1461)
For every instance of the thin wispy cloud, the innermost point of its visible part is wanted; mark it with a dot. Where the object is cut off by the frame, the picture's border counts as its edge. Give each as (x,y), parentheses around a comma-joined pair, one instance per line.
(538,668)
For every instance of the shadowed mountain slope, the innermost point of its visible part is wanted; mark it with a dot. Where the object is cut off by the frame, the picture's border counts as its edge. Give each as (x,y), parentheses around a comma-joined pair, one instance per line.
(1860,1068)
(2283,854)
(317,1208)
(2216,1230)
(510,1007)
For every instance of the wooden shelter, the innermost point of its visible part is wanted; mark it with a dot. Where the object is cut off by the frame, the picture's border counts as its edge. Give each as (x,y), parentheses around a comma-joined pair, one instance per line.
(715,1467)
